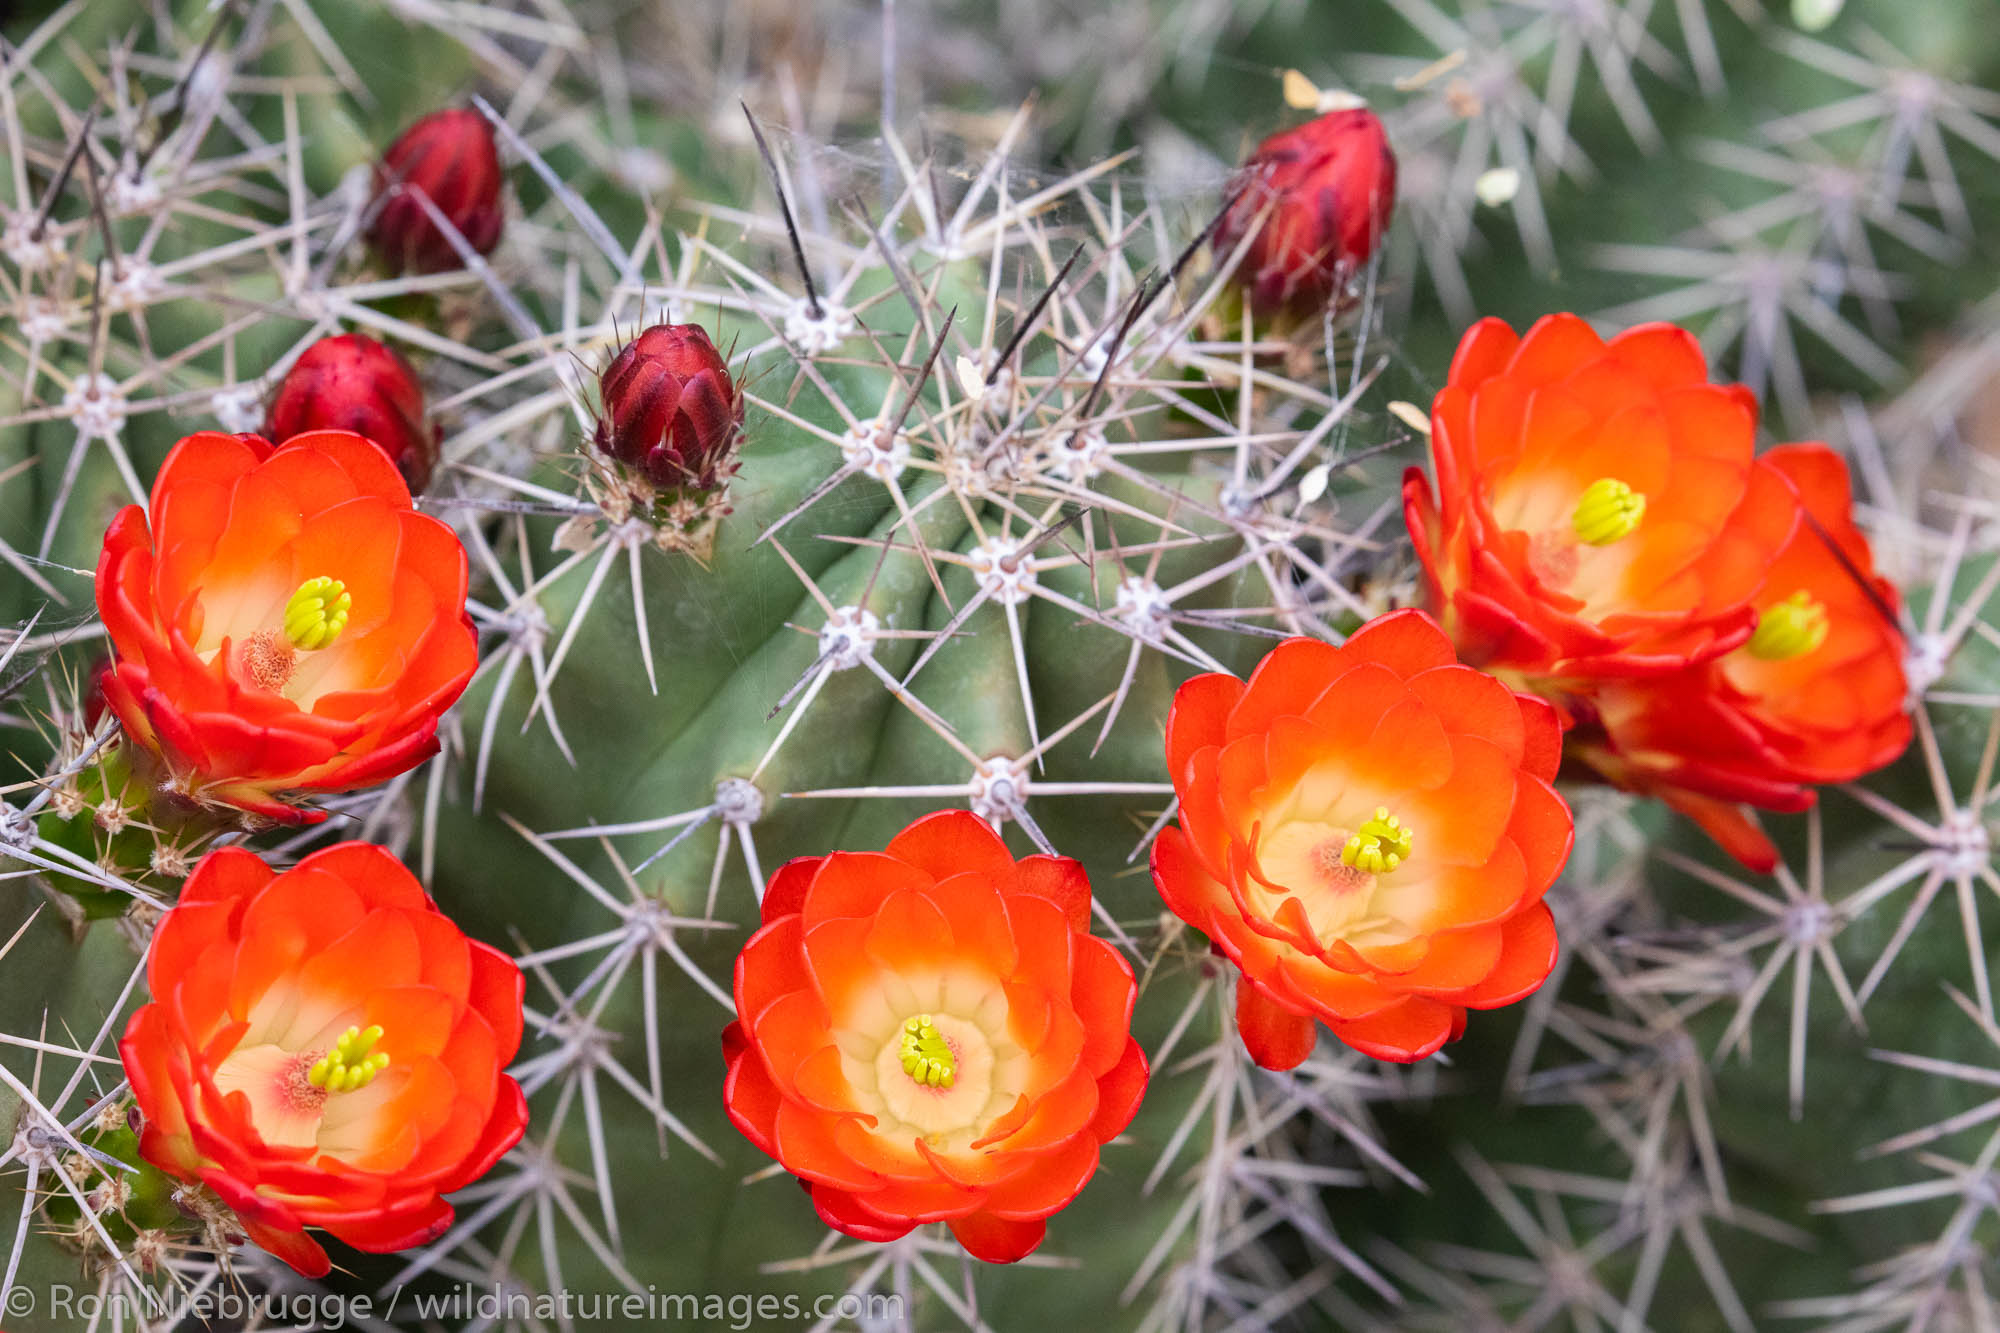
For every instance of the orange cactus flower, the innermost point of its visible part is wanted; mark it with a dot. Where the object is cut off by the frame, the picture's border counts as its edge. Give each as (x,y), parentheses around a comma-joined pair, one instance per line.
(286,622)
(326,1049)
(1367,832)
(931,1033)
(1598,509)
(1817,694)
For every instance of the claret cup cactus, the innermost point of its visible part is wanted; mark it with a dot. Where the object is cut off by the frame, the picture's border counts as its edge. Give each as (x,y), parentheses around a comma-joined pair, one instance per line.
(676,676)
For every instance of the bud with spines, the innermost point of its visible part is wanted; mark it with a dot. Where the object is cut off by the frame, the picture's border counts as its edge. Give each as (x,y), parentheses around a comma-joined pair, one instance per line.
(1329,187)
(671,412)
(451,157)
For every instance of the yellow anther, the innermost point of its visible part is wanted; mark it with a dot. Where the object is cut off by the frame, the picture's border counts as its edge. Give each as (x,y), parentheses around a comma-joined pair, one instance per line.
(317,613)
(1382,844)
(352,1063)
(1608,511)
(1788,629)
(927,1056)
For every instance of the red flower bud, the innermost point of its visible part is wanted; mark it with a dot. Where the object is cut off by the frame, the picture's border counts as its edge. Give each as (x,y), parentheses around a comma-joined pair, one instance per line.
(670,409)
(354,383)
(450,156)
(1330,186)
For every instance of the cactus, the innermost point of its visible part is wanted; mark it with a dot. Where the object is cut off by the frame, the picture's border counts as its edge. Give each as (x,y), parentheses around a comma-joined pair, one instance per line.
(1014,459)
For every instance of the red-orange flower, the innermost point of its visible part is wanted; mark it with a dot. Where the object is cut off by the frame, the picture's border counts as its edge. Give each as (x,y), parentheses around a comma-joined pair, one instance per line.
(1599,512)
(287,622)
(1329,187)
(1367,832)
(324,1049)
(931,1033)
(1816,695)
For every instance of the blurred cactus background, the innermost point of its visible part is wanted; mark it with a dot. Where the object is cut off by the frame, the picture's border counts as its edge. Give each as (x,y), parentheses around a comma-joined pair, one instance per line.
(1012,465)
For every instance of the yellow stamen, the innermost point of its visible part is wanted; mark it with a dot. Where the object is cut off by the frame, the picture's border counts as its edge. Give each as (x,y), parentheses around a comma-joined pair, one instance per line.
(927,1058)
(1608,511)
(1382,844)
(317,613)
(1788,629)
(352,1063)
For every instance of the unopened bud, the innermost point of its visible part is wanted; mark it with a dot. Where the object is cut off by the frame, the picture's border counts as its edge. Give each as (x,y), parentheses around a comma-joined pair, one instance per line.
(1329,187)
(670,410)
(451,157)
(354,383)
